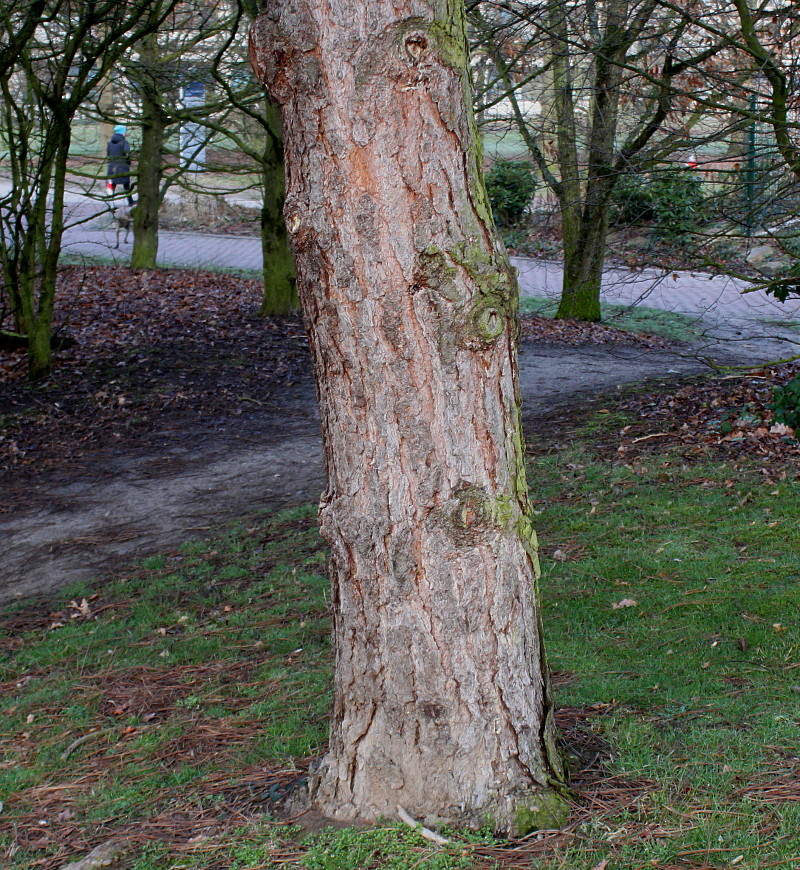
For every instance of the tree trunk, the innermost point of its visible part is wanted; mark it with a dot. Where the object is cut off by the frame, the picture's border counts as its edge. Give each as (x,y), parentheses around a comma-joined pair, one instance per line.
(585,255)
(568,189)
(441,703)
(149,170)
(580,288)
(32,271)
(280,281)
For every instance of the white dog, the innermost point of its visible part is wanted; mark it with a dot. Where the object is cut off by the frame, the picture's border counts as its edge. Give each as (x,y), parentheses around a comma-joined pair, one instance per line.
(121,220)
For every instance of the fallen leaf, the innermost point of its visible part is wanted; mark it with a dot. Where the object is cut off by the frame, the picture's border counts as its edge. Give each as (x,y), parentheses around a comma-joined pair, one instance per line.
(626,602)
(80,610)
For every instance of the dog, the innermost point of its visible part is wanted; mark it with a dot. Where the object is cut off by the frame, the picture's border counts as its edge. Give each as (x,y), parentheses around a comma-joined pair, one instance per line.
(121,220)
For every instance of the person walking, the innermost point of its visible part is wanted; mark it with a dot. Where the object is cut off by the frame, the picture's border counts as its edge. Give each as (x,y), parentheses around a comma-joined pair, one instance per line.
(118,152)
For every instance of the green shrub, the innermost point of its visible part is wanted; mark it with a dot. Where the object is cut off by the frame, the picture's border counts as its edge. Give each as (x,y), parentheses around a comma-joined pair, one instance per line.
(677,196)
(786,403)
(631,203)
(671,198)
(510,185)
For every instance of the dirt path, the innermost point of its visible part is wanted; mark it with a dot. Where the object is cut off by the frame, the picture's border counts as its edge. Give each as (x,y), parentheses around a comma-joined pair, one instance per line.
(132,501)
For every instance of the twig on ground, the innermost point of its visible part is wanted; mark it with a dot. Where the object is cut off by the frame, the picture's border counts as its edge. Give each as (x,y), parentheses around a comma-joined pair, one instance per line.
(647,437)
(427,833)
(79,742)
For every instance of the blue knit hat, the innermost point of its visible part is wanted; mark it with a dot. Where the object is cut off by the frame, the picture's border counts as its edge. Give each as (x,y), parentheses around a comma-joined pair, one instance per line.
(121,128)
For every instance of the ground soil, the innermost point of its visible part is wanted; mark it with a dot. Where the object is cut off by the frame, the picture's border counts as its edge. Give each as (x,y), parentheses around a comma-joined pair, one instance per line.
(176,410)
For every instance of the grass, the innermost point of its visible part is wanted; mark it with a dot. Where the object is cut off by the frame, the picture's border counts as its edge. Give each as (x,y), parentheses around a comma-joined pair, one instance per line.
(173,705)
(781,323)
(652,321)
(501,142)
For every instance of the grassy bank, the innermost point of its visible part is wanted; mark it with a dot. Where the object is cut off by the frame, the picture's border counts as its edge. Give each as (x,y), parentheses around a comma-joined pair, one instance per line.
(170,709)
(671,325)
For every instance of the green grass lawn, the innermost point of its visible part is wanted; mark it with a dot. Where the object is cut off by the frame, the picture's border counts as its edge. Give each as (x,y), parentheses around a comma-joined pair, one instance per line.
(173,706)
(671,325)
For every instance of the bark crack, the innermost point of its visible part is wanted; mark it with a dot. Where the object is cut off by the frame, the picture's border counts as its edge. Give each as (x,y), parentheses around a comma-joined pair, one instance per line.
(357,740)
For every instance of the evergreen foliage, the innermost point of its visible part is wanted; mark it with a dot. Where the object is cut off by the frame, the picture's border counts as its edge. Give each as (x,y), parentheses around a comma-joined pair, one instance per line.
(510,185)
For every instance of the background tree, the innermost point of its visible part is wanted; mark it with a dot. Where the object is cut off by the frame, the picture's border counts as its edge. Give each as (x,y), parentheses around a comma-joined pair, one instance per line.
(259,137)
(67,56)
(149,85)
(154,88)
(770,37)
(206,44)
(441,701)
(19,18)
(585,63)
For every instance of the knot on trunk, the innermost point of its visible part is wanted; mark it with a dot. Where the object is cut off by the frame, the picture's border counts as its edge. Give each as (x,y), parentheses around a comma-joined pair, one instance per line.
(417,45)
(496,293)
(473,512)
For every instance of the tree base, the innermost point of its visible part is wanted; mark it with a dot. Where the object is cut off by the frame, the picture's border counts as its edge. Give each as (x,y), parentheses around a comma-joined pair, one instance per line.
(512,815)
(584,314)
(543,811)
(515,816)
(18,341)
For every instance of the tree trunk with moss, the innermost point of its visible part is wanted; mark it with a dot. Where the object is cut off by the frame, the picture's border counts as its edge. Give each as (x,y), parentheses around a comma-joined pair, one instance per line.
(149,170)
(586,233)
(441,702)
(580,296)
(280,283)
(31,229)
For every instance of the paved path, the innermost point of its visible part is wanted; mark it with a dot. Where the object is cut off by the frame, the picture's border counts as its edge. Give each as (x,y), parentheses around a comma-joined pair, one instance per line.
(718,300)
(727,314)
(752,320)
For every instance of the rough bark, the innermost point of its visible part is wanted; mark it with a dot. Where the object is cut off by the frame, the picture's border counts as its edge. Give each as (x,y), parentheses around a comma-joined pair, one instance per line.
(441,703)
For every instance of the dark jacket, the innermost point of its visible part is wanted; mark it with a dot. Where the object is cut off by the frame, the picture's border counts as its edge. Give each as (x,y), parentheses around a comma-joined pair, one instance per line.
(119,159)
